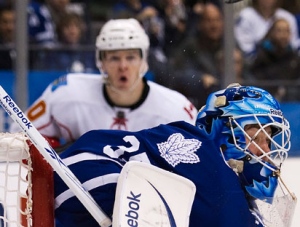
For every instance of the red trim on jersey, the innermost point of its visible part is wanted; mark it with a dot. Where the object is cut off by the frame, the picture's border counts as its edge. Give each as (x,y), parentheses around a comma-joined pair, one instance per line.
(119,122)
(189,110)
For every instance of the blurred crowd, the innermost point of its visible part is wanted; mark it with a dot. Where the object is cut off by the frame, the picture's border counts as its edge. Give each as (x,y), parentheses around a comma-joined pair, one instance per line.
(186,40)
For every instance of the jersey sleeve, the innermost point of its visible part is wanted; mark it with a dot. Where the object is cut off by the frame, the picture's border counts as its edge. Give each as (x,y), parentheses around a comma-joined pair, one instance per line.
(39,113)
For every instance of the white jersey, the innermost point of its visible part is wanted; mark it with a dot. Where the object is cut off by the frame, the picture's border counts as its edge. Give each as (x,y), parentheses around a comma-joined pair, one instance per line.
(251,27)
(75,104)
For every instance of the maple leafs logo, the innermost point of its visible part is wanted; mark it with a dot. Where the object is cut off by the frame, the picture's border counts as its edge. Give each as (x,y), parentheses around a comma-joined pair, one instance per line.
(177,150)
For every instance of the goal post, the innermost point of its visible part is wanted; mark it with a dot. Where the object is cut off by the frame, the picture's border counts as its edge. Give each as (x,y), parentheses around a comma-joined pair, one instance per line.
(42,190)
(26,185)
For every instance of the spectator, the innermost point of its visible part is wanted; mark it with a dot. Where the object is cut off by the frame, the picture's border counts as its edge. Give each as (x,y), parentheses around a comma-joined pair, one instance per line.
(138,9)
(175,19)
(195,10)
(7,36)
(40,24)
(293,6)
(253,23)
(119,99)
(58,9)
(276,59)
(40,31)
(195,60)
(240,68)
(69,54)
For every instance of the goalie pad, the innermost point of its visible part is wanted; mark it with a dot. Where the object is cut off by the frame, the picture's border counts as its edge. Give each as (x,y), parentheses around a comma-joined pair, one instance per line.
(149,196)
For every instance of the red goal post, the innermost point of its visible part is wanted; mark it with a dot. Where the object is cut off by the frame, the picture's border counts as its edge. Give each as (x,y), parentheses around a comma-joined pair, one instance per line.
(26,184)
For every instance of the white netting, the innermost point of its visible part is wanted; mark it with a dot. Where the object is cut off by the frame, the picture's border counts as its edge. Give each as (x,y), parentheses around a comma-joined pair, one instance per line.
(13,147)
(15,180)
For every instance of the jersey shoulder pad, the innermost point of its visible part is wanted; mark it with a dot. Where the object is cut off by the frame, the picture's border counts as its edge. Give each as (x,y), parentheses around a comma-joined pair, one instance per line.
(61,81)
(76,79)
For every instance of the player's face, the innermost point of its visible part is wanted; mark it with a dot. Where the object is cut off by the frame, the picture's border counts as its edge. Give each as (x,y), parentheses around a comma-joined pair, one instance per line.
(260,138)
(122,67)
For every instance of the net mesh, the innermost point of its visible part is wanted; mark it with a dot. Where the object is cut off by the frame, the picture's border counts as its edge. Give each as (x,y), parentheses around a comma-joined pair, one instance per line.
(15,181)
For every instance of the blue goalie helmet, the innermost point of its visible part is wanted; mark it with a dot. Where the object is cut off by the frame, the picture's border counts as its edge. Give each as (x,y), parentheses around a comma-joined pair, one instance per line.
(226,116)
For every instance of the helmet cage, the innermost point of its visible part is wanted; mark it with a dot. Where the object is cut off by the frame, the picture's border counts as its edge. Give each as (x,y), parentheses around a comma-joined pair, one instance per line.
(279,139)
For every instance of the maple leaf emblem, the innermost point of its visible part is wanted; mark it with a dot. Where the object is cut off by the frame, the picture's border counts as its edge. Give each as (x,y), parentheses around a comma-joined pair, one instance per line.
(177,149)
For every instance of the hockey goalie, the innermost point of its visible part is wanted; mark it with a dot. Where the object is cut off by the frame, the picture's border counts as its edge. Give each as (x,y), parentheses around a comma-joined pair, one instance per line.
(224,171)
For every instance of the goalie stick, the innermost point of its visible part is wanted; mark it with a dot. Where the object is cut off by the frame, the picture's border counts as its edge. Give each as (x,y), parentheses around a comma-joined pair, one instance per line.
(53,159)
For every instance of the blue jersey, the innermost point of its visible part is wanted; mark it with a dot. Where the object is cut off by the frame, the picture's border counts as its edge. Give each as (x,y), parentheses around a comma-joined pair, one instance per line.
(178,147)
(40,24)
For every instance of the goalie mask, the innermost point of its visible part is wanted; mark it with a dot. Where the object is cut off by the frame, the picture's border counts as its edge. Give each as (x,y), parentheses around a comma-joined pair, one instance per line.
(224,118)
(123,34)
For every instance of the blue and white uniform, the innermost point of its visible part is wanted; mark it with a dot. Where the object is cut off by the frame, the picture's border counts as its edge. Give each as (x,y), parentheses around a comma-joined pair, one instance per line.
(250,28)
(98,156)
(40,24)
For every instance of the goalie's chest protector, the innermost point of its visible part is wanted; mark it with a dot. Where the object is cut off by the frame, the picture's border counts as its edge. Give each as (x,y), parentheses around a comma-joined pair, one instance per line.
(181,148)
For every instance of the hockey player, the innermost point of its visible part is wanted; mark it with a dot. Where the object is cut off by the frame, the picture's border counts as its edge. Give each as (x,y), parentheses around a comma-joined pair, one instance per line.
(231,155)
(120,98)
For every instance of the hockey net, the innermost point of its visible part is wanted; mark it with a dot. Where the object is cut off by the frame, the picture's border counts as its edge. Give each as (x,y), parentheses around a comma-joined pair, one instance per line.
(26,184)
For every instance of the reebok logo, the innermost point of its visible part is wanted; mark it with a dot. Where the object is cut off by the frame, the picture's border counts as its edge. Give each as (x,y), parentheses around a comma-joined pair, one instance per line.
(276,112)
(134,206)
(15,109)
